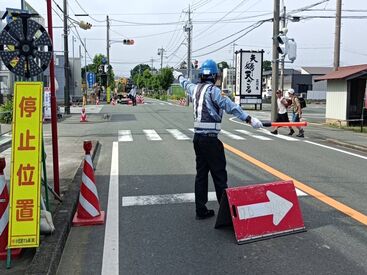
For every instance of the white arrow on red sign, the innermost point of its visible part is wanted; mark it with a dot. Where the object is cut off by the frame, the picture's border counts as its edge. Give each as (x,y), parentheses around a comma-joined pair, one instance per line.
(276,206)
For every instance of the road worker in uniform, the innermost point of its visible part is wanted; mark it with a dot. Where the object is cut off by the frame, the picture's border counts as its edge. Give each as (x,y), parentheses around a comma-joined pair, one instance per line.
(208,105)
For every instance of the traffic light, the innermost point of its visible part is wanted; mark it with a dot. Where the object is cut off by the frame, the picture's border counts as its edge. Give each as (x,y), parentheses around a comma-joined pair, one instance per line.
(85,25)
(287,46)
(196,64)
(128,42)
(292,50)
(283,44)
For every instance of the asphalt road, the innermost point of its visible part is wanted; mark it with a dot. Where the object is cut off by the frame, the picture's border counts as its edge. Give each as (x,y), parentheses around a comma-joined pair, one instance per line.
(159,235)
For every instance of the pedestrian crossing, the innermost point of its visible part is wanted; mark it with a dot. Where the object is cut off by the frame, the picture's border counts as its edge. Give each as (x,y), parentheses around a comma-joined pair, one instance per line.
(181,135)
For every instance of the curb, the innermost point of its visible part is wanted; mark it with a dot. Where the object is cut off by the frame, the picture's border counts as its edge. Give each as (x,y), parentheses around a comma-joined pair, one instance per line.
(348,145)
(47,257)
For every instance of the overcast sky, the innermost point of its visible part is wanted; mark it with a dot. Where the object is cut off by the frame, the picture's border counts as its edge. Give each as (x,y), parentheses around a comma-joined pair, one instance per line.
(159,23)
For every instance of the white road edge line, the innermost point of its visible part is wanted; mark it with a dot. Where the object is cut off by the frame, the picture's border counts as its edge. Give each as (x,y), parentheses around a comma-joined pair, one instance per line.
(335,149)
(110,262)
(172,199)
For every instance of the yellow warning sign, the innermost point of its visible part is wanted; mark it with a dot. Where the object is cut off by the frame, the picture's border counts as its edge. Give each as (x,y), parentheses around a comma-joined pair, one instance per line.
(25,184)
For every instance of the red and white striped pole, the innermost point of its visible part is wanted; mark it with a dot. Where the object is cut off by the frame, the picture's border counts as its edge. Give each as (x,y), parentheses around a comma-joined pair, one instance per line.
(4,215)
(88,210)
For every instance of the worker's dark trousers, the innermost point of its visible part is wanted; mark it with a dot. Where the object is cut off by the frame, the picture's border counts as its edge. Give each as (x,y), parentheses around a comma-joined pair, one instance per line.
(209,157)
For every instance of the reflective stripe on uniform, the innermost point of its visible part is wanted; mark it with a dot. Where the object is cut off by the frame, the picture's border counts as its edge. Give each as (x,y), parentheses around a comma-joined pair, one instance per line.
(207,125)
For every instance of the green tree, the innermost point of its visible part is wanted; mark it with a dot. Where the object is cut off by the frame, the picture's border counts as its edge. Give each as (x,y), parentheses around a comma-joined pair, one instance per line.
(266,65)
(166,78)
(97,62)
(139,70)
(222,65)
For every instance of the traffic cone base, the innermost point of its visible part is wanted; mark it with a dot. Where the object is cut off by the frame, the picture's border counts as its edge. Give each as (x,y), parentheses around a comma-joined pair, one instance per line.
(85,222)
(15,253)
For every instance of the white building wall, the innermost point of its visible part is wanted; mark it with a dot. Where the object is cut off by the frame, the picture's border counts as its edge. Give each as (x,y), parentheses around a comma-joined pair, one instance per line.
(336,100)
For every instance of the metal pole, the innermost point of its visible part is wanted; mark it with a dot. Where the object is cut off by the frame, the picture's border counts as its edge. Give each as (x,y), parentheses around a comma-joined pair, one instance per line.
(188,29)
(85,62)
(282,60)
(275,67)
(72,76)
(160,52)
(108,51)
(55,152)
(338,19)
(66,61)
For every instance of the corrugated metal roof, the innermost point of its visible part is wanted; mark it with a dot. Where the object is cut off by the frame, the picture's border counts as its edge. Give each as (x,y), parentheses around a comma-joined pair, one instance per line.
(344,72)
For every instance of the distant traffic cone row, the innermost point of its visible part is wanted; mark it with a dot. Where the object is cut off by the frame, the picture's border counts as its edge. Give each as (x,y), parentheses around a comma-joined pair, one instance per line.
(83,116)
(88,209)
(4,216)
(140,99)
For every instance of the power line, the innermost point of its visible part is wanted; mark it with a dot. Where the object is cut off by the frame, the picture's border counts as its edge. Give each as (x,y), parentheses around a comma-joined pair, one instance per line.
(80,6)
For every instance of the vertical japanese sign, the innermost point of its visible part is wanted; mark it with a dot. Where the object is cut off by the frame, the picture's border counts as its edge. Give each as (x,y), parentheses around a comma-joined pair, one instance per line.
(26,165)
(251,73)
(249,76)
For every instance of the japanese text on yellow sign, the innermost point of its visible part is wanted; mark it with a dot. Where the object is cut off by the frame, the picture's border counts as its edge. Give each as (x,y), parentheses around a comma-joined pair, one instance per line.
(26,169)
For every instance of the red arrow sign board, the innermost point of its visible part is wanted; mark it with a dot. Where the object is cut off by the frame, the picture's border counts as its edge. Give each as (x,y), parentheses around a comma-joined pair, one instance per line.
(261,211)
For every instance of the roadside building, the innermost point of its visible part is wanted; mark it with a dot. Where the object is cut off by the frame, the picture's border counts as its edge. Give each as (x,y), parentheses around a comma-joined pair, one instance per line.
(318,88)
(346,90)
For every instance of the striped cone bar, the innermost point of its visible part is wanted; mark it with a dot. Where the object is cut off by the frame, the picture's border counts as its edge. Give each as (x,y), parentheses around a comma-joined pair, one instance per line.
(88,210)
(4,215)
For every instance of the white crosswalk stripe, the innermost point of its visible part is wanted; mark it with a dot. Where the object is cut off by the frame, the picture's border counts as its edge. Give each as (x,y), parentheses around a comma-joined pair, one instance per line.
(248,133)
(177,134)
(125,135)
(232,136)
(151,134)
(278,136)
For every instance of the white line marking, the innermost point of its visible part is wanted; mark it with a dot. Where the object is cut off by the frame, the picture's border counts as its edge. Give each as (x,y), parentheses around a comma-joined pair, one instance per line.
(7,152)
(335,149)
(152,134)
(172,199)
(177,134)
(278,136)
(252,135)
(233,136)
(192,130)
(110,262)
(125,135)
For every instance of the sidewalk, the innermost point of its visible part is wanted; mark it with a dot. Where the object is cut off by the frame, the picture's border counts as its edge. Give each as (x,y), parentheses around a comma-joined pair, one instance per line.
(71,154)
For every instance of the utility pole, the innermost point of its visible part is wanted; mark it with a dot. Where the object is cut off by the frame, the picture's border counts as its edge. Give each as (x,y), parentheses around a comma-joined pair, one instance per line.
(234,55)
(66,61)
(281,84)
(188,29)
(275,63)
(108,50)
(72,76)
(152,60)
(85,62)
(160,52)
(338,19)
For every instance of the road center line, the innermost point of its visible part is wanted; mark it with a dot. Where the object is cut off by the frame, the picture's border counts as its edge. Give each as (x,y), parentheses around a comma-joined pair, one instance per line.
(358,216)
(110,263)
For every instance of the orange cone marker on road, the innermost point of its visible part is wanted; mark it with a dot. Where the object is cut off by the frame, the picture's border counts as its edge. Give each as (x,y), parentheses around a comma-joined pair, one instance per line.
(88,210)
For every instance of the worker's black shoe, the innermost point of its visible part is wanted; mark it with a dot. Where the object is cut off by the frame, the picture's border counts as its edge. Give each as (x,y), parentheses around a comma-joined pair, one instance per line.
(207,214)
(275,132)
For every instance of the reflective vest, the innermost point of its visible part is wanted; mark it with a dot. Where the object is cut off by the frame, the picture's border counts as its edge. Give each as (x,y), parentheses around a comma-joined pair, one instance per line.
(203,121)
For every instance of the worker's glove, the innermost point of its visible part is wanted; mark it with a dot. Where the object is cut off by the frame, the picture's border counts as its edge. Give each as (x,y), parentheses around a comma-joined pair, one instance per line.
(176,74)
(255,123)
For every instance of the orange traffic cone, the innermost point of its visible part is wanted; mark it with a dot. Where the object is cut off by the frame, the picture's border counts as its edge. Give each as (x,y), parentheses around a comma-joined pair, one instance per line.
(83,116)
(97,100)
(4,216)
(88,211)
